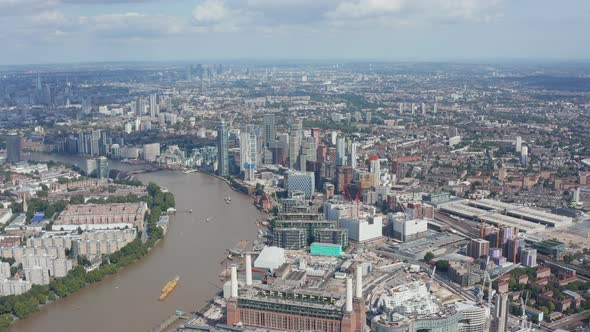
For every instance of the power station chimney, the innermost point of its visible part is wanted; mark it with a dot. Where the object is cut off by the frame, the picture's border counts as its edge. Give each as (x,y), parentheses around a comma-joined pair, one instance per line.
(359,282)
(248,270)
(348,307)
(234,281)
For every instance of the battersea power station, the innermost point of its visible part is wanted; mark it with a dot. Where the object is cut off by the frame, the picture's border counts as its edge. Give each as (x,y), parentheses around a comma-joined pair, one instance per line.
(289,306)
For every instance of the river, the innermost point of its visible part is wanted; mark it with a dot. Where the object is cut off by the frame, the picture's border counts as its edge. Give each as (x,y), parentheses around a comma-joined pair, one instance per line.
(192,249)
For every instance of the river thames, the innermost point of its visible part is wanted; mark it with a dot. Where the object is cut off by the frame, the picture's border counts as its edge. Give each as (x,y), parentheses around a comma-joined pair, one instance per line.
(192,249)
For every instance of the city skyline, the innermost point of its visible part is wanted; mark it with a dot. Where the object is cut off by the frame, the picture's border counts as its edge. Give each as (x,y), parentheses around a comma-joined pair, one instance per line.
(65,31)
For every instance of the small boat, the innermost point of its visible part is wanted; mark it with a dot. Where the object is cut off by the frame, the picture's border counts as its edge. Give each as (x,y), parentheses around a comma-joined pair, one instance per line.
(208,219)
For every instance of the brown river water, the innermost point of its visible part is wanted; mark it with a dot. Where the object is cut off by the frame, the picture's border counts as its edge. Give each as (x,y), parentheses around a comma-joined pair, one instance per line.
(192,249)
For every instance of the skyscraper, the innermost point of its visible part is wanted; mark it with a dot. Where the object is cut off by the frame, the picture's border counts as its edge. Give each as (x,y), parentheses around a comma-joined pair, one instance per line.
(102,168)
(269,129)
(375,168)
(295,142)
(189,72)
(222,158)
(13,147)
(139,106)
(248,153)
(524,155)
(518,144)
(353,148)
(478,248)
(340,151)
(38,84)
(154,106)
(315,133)
(500,315)
(434,107)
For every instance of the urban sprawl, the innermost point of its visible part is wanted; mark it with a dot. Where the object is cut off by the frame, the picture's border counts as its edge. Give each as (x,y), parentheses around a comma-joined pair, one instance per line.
(400,197)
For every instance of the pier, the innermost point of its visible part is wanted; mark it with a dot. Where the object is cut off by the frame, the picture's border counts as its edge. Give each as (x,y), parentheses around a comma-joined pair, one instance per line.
(179,315)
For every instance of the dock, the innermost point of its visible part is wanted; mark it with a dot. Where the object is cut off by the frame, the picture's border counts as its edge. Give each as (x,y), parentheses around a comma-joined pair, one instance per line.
(169,322)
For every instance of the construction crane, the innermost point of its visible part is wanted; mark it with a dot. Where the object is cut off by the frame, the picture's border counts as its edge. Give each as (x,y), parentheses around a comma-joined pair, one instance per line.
(483,284)
(523,322)
(431,278)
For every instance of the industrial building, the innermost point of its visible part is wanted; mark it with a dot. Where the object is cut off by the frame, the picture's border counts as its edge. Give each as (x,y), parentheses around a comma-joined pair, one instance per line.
(294,308)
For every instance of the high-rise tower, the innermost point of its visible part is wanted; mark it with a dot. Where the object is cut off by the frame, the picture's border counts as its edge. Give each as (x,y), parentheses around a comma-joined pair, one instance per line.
(222,158)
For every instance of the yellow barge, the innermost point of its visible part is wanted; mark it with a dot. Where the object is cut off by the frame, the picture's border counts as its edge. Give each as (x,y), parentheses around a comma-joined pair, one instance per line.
(168,288)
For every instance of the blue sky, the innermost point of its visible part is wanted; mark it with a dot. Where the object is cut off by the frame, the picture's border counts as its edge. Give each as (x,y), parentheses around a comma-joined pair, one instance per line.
(49,31)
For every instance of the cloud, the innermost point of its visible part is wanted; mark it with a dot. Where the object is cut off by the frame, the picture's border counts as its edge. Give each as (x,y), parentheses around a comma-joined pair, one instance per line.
(217,15)
(25,7)
(134,25)
(417,11)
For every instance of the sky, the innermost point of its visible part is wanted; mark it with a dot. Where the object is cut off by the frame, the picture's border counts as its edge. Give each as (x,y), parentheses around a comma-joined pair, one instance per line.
(74,31)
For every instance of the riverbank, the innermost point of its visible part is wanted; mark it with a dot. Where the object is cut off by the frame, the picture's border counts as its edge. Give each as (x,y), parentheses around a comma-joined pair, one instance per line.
(22,306)
(192,249)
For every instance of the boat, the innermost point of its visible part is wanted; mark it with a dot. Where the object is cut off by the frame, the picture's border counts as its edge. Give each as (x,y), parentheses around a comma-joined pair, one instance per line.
(208,219)
(168,288)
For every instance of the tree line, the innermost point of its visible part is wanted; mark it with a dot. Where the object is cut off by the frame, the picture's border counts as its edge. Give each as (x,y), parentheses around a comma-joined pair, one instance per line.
(23,305)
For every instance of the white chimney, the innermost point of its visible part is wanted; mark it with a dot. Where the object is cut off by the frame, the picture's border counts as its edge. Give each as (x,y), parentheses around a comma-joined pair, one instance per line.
(359,282)
(248,270)
(348,307)
(234,282)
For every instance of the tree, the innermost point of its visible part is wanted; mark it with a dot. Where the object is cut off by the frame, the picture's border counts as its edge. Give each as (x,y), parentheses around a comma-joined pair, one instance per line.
(442,265)
(512,283)
(5,321)
(428,257)
(551,307)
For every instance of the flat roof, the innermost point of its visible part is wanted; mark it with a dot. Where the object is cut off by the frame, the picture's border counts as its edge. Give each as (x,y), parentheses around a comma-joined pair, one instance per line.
(463,210)
(530,214)
(500,219)
(491,217)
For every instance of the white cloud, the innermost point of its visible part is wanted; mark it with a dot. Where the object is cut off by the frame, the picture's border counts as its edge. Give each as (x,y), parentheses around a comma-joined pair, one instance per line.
(134,25)
(217,15)
(423,11)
